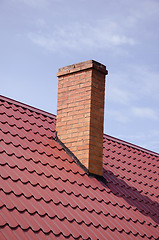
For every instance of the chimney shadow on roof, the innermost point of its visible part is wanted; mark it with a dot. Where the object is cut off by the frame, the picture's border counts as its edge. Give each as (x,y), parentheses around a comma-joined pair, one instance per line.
(132,196)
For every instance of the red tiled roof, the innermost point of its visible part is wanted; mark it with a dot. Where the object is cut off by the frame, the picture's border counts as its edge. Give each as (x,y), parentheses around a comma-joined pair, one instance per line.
(44,194)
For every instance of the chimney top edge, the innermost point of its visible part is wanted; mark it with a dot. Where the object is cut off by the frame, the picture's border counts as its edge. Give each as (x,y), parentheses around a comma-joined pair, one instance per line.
(82,66)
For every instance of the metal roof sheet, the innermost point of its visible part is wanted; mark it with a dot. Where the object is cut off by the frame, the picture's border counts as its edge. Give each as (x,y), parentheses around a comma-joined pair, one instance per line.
(44,194)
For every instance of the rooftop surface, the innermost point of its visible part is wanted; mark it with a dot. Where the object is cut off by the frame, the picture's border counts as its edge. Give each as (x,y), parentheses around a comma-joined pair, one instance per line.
(44,194)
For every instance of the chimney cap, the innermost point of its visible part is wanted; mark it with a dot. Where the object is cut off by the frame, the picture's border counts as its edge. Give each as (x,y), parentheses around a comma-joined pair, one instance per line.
(82,66)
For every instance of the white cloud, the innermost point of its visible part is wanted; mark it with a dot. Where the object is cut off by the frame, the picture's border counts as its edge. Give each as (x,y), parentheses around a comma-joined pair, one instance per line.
(144,112)
(136,85)
(45,42)
(120,88)
(118,95)
(119,116)
(99,35)
(145,80)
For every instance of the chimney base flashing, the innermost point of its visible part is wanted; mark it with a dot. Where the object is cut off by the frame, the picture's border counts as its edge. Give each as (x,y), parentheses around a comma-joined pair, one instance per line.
(75,159)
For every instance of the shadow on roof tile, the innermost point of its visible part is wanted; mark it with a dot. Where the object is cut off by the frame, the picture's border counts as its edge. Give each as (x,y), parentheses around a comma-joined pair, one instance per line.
(133,197)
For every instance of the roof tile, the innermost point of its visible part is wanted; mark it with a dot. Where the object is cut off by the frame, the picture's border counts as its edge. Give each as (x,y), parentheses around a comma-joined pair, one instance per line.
(44,194)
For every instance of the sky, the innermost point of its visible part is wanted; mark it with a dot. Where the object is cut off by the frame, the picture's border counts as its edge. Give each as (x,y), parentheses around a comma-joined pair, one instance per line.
(40,36)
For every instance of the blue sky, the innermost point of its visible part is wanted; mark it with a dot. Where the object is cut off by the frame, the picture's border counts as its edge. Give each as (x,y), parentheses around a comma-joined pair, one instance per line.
(40,36)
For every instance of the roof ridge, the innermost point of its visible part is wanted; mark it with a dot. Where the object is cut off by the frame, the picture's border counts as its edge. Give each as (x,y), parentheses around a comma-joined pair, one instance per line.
(45,113)
(144,150)
(129,163)
(26,106)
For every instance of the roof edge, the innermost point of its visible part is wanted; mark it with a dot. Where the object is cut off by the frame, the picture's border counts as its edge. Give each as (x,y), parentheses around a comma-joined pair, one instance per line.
(26,106)
(130,144)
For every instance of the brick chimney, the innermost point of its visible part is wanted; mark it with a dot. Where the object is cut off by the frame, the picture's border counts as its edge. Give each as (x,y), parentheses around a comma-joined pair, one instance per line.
(80,112)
